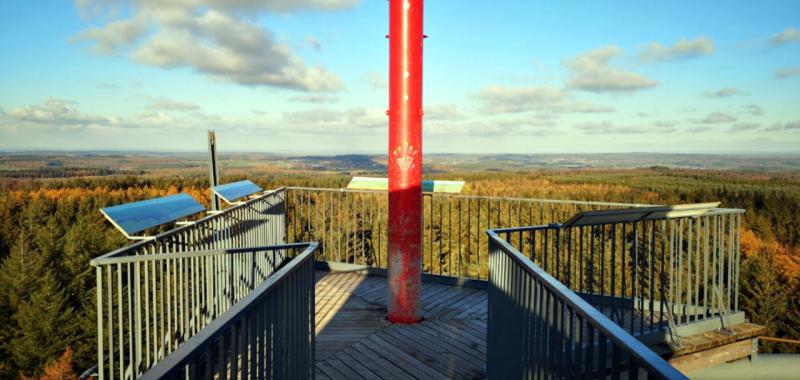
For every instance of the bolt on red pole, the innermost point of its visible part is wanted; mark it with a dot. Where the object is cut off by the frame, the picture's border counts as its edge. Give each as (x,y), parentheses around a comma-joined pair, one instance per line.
(405,160)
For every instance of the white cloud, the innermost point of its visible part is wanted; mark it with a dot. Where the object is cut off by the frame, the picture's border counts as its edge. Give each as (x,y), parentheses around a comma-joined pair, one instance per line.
(724,93)
(753,109)
(699,129)
(742,127)
(788,35)
(498,99)
(787,126)
(523,126)
(375,81)
(718,118)
(683,49)
(115,35)
(787,72)
(165,104)
(325,121)
(219,39)
(161,114)
(609,128)
(504,99)
(314,99)
(443,112)
(592,71)
(58,113)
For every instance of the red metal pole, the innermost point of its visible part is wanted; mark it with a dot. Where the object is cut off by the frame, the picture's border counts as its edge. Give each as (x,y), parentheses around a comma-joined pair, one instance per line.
(405,159)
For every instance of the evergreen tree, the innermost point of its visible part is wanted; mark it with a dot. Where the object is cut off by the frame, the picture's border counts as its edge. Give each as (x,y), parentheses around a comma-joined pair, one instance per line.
(45,324)
(764,294)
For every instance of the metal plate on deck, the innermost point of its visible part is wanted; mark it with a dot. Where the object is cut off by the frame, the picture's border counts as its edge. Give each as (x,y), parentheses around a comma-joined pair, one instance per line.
(233,191)
(637,214)
(139,216)
(428,186)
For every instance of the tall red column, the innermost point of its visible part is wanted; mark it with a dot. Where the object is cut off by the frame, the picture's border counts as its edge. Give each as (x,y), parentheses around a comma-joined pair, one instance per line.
(405,159)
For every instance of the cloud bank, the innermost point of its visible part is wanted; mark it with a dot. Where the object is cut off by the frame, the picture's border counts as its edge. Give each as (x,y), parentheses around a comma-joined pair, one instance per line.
(220,39)
(592,71)
(683,49)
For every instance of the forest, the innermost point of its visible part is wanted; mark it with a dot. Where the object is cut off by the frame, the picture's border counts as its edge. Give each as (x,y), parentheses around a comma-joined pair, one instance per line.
(51,228)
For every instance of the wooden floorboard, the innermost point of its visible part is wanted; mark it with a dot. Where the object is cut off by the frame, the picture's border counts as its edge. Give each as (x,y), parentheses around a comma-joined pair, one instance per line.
(355,341)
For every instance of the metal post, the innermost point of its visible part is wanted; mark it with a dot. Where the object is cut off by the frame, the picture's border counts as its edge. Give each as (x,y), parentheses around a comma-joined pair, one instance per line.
(212,168)
(405,159)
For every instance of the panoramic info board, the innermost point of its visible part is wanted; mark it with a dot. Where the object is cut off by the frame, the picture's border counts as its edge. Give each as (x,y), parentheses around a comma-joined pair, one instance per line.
(135,217)
(637,214)
(428,186)
(230,192)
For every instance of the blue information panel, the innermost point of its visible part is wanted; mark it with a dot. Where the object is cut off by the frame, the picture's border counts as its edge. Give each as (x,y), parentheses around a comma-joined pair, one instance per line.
(230,192)
(138,216)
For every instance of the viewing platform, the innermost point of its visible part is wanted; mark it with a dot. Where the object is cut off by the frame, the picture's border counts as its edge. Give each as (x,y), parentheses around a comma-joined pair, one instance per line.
(355,341)
(290,283)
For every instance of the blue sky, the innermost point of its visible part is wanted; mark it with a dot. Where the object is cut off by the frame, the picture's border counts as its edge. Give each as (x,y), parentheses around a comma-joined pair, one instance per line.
(310,76)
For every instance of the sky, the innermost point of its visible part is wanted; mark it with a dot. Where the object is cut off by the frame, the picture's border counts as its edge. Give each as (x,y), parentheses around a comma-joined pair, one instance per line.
(309,76)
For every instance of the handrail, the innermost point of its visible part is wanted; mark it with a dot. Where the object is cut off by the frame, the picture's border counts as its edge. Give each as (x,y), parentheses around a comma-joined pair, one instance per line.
(713,212)
(189,254)
(633,347)
(128,249)
(182,356)
(485,197)
(351,225)
(150,304)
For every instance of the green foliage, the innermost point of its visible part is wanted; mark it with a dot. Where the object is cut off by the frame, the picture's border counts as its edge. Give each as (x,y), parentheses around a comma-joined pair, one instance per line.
(45,323)
(50,229)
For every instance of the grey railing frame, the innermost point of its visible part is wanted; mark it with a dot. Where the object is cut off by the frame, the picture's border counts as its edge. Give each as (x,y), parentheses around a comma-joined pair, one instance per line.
(685,313)
(351,225)
(178,359)
(258,224)
(654,364)
(132,248)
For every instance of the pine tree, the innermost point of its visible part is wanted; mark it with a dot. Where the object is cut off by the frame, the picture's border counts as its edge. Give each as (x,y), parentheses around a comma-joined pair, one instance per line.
(764,294)
(45,324)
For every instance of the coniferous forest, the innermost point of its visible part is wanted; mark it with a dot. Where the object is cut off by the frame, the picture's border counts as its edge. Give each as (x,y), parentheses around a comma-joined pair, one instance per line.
(51,228)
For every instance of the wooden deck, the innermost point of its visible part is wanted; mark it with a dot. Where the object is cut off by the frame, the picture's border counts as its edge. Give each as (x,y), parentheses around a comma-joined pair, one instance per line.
(354,340)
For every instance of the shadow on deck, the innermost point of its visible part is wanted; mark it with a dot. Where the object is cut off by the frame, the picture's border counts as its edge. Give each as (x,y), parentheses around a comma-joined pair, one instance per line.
(355,341)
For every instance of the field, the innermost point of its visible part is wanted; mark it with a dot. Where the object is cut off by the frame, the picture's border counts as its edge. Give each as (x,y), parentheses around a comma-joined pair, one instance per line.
(50,226)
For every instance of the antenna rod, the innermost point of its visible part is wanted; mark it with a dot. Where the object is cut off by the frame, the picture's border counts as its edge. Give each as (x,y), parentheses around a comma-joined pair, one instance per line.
(212,169)
(405,160)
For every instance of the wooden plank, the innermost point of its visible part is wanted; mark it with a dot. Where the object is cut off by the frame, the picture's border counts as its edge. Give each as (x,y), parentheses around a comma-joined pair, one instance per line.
(468,337)
(375,368)
(342,368)
(330,371)
(355,365)
(417,368)
(426,352)
(712,357)
(448,344)
(389,368)
(453,340)
(711,339)
(355,340)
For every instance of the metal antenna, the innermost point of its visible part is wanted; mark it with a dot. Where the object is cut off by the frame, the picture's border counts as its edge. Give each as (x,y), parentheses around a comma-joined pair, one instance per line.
(212,168)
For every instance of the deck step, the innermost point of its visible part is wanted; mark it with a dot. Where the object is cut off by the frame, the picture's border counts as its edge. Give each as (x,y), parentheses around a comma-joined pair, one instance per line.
(712,347)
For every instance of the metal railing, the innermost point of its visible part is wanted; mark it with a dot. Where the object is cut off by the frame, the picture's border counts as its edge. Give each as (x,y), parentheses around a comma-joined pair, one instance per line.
(155,294)
(268,334)
(538,328)
(654,278)
(351,225)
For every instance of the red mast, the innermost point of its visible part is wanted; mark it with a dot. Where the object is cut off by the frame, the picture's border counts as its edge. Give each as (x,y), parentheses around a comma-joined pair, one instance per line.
(405,159)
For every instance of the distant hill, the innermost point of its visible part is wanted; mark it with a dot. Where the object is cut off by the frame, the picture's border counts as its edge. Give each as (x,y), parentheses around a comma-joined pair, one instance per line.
(75,164)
